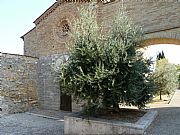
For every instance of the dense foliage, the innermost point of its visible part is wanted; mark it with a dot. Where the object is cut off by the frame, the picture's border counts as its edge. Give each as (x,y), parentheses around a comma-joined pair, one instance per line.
(105,69)
(178,74)
(165,77)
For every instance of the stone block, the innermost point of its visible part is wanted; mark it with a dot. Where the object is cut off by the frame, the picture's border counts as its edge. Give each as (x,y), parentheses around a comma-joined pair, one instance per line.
(76,125)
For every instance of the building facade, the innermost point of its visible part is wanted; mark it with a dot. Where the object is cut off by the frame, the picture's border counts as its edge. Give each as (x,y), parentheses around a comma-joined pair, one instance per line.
(159,19)
(46,42)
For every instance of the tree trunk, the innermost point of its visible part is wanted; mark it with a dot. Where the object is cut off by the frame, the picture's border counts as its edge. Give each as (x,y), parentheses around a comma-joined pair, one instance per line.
(160,95)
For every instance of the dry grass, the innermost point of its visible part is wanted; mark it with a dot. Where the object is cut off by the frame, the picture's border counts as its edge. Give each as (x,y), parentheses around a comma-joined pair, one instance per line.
(164,98)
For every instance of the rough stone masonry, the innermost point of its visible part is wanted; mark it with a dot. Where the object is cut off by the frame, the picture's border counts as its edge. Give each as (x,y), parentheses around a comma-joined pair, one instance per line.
(158,18)
(18,83)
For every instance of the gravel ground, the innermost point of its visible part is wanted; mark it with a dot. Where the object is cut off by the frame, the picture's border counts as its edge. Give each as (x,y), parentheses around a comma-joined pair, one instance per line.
(25,124)
(166,123)
(50,113)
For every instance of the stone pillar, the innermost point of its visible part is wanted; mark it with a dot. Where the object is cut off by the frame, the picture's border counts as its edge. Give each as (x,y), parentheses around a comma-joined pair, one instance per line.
(48,88)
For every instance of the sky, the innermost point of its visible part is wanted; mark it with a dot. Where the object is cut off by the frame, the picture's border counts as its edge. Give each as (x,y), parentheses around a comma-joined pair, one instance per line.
(17,16)
(171,52)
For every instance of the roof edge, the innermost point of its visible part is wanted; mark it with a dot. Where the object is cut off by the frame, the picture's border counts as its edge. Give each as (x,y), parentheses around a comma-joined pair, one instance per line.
(46,13)
(56,4)
(21,55)
(27,33)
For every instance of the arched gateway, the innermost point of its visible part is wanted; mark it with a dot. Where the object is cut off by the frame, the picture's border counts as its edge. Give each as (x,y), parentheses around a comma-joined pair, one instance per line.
(160,21)
(154,41)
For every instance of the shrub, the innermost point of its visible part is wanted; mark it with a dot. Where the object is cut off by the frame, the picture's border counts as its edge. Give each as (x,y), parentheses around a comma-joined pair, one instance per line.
(105,69)
(178,74)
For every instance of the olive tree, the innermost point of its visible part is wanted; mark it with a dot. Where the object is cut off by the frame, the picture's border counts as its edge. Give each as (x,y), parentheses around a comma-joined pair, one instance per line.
(104,68)
(165,77)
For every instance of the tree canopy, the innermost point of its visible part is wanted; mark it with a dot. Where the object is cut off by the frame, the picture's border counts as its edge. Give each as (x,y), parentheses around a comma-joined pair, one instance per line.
(104,69)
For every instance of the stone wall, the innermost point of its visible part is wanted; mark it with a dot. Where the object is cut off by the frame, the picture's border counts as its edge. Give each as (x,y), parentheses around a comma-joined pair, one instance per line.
(48,38)
(18,83)
(171,33)
(31,46)
(48,86)
(156,17)
(153,16)
(48,89)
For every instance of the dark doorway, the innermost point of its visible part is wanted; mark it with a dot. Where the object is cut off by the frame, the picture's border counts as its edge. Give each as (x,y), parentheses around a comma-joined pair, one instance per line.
(66,103)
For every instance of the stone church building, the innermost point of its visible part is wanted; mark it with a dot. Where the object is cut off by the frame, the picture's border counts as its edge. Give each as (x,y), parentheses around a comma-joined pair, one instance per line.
(44,46)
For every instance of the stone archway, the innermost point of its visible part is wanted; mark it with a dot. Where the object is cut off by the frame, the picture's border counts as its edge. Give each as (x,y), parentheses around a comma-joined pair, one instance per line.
(152,46)
(155,41)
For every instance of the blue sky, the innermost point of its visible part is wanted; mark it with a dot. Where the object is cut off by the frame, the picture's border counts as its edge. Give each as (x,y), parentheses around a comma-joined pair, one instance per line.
(16,18)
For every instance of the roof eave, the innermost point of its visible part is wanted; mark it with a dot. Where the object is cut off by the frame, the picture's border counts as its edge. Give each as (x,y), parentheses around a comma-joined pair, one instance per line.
(46,13)
(22,37)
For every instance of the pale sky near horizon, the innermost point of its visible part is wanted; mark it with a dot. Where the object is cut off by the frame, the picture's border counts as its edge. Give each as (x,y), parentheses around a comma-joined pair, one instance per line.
(171,52)
(17,16)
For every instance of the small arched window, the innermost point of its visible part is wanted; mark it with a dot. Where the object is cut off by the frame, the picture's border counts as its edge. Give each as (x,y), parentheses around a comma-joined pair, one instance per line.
(64,28)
